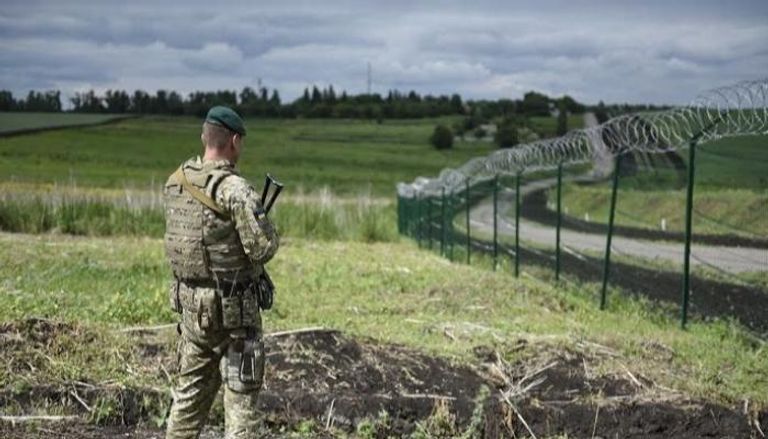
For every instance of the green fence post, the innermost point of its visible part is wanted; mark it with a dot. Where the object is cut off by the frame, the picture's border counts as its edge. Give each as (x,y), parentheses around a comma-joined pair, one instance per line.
(417,222)
(407,216)
(429,222)
(689,218)
(611,216)
(517,225)
(495,221)
(559,219)
(688,231)
(466,196)
(450,224)
(442,223)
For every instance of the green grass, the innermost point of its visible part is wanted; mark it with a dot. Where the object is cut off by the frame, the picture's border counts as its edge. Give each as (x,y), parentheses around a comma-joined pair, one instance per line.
(14,121)
(733,163)
(389,291)
(350,157)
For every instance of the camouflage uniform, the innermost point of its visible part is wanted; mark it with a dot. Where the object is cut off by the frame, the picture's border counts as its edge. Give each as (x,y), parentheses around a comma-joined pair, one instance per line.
(214,256)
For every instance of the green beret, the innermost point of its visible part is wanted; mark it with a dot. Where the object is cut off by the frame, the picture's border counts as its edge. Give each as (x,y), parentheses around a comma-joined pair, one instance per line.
(226,117)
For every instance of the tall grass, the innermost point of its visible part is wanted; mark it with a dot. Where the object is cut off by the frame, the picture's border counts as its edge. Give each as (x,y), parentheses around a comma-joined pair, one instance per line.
(318,215)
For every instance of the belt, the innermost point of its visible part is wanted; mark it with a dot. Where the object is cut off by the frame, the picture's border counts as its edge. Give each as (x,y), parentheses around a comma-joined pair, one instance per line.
(224,288)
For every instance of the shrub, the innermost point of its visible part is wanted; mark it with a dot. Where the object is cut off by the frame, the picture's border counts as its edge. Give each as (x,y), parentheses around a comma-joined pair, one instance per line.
(507,135)
(442,137)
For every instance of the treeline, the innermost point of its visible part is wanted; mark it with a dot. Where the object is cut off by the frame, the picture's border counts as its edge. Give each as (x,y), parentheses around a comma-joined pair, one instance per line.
(35,101)
(314,102)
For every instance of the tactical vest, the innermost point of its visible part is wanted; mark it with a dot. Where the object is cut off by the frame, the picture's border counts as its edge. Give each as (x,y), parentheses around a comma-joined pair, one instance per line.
(202,245)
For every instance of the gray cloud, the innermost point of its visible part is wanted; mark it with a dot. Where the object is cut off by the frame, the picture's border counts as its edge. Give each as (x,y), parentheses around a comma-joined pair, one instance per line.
(654,52)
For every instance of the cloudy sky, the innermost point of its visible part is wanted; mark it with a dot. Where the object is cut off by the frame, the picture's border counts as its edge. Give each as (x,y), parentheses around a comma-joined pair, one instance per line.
(639,51)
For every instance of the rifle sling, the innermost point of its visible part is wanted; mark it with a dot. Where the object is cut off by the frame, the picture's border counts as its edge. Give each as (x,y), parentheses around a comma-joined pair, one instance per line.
(197,193)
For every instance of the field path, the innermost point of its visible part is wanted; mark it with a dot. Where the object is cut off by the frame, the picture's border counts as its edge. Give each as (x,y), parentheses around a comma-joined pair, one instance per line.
(730,259)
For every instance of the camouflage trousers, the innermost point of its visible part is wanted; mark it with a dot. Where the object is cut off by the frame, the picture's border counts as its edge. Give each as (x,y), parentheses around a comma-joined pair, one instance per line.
(208,358)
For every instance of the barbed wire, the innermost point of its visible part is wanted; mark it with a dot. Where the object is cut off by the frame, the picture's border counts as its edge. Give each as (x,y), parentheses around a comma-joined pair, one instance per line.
(735,110)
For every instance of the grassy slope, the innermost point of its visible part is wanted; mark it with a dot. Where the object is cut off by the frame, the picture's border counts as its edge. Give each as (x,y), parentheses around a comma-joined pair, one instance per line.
(12,121)
(347,156)
(731,192)
(391,292)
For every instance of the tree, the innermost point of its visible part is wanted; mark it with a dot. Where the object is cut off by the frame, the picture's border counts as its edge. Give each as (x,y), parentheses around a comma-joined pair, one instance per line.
(275,99)
(317,97)
(442,137)
(7,103)
(175,103)
(535,104)
(456,105)
(572,106)
(87,102)
(117,101)
(507,135)
(562,120)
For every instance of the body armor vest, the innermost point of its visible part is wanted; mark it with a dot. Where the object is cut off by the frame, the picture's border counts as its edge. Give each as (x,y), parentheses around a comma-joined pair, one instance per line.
(202,245)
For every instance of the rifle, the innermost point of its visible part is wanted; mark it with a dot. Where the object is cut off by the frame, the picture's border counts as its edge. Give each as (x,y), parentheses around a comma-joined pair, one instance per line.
(264,285)
(278,188)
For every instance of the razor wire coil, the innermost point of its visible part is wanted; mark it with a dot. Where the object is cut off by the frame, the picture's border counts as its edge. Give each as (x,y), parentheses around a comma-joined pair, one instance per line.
(735,110)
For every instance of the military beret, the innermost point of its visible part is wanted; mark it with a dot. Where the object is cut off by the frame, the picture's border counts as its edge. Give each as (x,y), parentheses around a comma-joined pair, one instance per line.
(226,117)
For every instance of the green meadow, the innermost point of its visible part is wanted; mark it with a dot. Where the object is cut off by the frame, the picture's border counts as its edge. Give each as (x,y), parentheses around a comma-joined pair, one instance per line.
(350,157)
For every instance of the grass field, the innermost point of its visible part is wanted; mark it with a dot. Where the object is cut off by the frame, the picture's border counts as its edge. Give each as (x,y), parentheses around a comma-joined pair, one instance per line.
(391,292)
(730,194)
(13,121)
(350,157)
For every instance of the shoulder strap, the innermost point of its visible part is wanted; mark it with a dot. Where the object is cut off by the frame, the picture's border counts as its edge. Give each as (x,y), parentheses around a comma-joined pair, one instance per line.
(197,193)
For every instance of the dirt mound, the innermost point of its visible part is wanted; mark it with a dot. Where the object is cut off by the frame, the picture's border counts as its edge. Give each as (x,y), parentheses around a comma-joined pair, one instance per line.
(324,384)
(341,382)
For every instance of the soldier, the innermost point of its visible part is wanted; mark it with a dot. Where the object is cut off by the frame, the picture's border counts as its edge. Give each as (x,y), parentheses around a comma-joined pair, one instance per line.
(217,240)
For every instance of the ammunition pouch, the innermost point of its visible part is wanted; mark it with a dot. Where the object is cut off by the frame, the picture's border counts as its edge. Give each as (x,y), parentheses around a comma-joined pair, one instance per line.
(226,306)
(266,290)
(243,369)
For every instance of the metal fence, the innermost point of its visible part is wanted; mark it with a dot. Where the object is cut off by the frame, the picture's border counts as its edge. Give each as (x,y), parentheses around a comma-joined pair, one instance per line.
(429,210)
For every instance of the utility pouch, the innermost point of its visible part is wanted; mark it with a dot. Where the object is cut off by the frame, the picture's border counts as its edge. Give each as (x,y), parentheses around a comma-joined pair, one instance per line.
(230,312)
(208,311)
(245,364)
(173,296)
(250,308)
(266,291)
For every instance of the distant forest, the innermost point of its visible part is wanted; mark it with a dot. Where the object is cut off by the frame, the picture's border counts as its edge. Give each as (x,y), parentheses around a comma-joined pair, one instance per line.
(314,103)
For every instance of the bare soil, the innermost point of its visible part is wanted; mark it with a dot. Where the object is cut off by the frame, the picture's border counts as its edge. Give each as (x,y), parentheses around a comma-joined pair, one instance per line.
(339,382)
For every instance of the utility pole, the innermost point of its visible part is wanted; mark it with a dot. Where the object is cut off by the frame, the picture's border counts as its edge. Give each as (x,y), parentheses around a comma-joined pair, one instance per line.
(369,77)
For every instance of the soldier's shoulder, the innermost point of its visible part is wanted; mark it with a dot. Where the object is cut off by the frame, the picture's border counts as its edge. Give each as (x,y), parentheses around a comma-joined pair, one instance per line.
(236,187)
(192,162)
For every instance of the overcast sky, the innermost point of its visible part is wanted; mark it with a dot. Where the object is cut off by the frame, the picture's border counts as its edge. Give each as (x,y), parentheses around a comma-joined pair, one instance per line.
(616,51)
